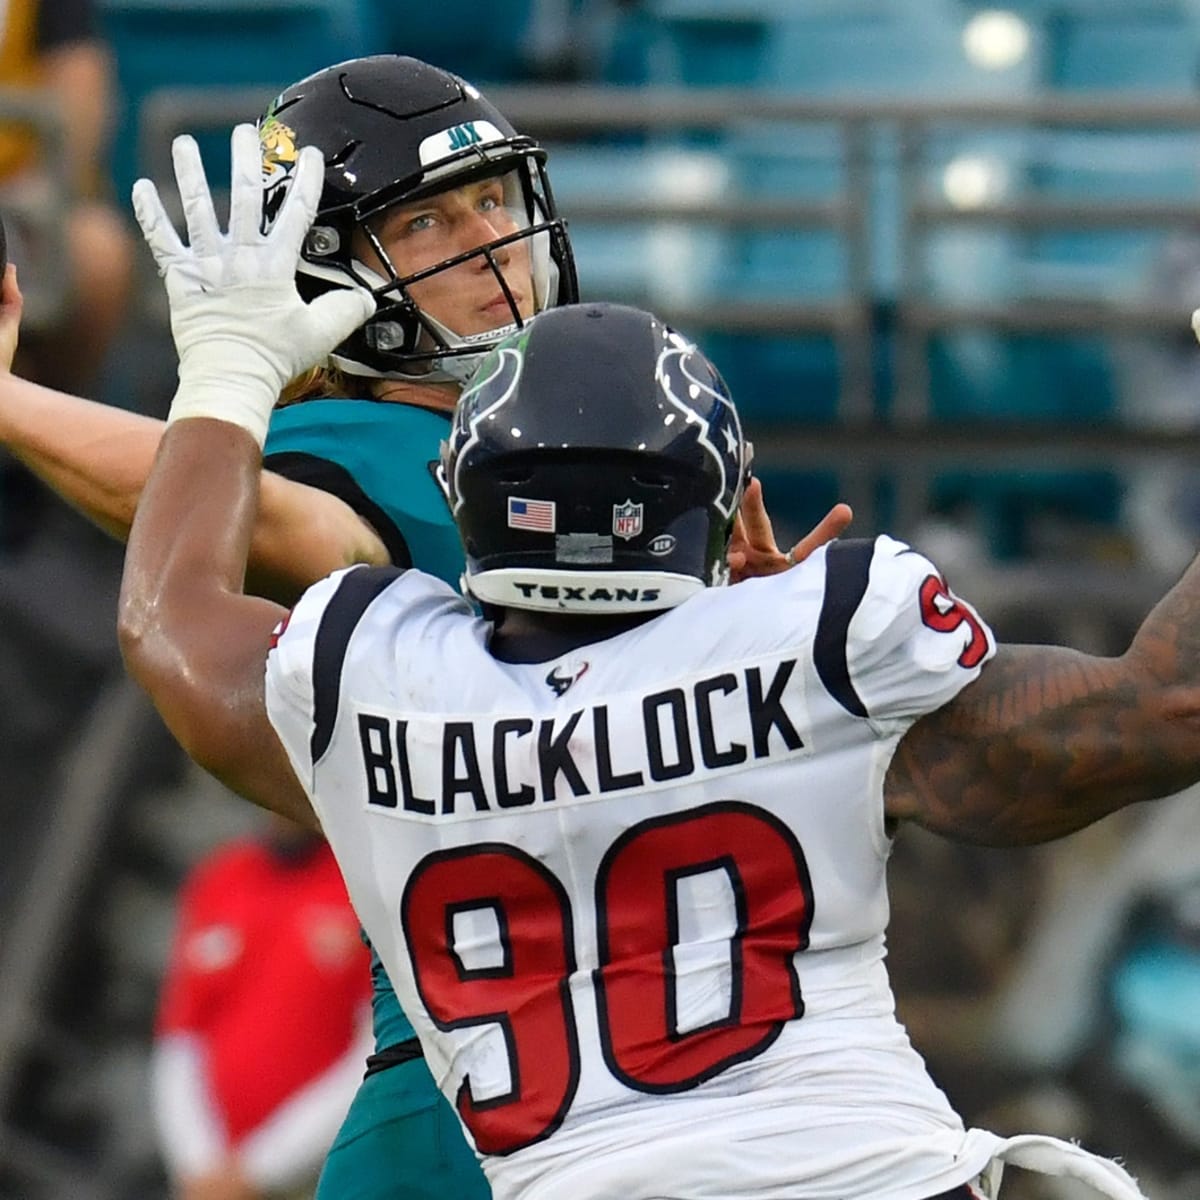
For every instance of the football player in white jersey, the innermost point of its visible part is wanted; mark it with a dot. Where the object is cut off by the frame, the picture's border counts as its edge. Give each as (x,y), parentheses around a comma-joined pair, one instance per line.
(621,841)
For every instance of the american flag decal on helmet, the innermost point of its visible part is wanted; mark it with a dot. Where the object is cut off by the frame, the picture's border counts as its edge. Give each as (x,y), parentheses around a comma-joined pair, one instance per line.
(531,514)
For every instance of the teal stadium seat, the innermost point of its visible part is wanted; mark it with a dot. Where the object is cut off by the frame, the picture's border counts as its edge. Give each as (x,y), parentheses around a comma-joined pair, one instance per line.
(161,44)
(797,500)
(1121,48)
(882,48)
(1065,379)
(776,378)
(706,43)
(501,41)
(907,50)
(657,262)
(1105,165)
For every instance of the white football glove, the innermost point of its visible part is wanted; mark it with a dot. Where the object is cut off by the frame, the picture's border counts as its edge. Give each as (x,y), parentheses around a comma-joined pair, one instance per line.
(241,329)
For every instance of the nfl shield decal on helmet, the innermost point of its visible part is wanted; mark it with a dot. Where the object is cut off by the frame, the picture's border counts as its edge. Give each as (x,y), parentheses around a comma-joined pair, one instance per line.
(627,520)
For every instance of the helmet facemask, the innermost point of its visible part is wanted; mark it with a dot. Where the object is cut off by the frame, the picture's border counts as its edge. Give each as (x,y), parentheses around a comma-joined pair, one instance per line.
(402,324)
(403,340)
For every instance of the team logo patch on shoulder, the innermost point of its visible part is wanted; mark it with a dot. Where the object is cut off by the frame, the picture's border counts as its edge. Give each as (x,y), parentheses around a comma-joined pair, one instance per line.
(538,515)
(563,675)
(627,520)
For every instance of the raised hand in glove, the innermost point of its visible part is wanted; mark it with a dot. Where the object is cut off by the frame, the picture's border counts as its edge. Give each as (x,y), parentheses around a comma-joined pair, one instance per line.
(241,329)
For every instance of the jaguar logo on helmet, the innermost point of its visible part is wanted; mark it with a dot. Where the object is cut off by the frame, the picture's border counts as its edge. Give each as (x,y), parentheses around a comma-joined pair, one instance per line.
(279,156)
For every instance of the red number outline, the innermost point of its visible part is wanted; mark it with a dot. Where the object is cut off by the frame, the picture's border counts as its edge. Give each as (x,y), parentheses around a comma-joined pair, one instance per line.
(766,989)
(948,620)
(502,1124)
(763,861)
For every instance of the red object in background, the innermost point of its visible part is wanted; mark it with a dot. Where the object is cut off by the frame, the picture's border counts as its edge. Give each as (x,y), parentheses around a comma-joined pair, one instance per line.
(269,970)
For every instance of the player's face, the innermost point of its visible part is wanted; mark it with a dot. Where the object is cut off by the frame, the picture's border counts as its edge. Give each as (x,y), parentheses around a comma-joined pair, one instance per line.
(467,298)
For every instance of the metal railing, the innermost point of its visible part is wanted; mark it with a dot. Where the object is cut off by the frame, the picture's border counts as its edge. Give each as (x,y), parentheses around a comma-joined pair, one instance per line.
(868,441)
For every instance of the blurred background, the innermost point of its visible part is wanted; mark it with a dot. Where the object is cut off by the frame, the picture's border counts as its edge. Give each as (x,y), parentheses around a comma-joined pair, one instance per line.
(945,254)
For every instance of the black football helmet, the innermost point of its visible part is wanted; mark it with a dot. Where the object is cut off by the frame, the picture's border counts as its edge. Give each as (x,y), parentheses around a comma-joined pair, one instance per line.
(395,129)
(595,464)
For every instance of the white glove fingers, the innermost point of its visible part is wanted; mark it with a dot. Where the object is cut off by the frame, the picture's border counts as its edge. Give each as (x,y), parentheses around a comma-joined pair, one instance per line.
(336,315)
(246,186)
(160,234)
(204,234)
(300,205)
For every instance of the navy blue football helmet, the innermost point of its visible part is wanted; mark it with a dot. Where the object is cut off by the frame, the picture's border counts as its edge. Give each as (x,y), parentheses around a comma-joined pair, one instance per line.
(595,464)
(394,130)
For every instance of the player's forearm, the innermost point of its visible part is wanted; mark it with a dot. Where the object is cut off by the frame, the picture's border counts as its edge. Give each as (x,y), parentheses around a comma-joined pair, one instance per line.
(1049,740)
(95,456)
(303,534)
(185,564)
(188,634)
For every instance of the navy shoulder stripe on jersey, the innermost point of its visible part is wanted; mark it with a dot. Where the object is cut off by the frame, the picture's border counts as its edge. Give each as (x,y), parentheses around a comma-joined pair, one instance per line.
(847,569)
(333,478)
(342,615)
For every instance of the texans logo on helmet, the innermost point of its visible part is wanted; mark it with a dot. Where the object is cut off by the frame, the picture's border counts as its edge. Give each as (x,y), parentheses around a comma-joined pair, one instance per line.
(719,434)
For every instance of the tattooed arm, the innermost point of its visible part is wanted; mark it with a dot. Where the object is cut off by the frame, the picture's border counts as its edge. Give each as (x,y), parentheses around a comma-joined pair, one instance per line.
(1048,740)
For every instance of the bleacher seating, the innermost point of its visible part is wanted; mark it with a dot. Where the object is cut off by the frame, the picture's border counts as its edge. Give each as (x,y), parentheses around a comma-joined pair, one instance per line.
(220,43)
(1120,49)
(842,49)
(501,41)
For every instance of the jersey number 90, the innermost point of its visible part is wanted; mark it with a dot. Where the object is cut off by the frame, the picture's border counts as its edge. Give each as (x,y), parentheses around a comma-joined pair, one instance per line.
(645,935)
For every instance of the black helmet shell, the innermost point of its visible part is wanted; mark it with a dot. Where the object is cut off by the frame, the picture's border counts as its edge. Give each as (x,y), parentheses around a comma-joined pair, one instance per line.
(596,464)
(393,129)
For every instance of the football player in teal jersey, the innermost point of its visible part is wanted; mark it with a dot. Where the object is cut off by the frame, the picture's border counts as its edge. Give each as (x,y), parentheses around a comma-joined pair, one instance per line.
(438,207)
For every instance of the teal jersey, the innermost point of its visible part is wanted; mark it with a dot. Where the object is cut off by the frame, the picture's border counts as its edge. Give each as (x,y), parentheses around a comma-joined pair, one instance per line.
(379,458)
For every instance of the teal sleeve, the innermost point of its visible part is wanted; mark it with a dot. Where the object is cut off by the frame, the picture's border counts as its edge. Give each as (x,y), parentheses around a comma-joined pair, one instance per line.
(379,458)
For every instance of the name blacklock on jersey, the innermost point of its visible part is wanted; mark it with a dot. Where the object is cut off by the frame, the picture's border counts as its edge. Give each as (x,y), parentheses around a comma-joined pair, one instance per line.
(636,893)
(717,722)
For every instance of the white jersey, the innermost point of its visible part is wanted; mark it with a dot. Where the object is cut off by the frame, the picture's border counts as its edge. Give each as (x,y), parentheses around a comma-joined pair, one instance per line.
(633,899)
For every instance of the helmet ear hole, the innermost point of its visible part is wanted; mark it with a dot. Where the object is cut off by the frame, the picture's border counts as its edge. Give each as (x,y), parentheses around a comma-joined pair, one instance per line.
(652,479)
